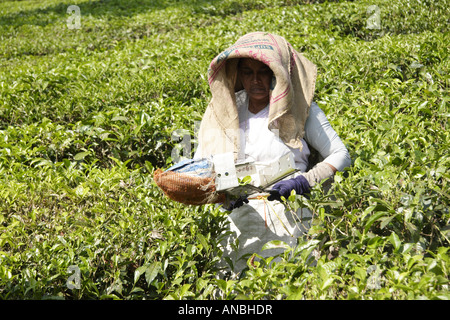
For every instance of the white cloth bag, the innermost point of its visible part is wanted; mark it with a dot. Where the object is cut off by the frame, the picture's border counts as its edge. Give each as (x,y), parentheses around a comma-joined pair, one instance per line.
(256,223)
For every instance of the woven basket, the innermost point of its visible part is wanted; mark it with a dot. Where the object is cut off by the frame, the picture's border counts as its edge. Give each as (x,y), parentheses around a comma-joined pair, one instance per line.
(191,182)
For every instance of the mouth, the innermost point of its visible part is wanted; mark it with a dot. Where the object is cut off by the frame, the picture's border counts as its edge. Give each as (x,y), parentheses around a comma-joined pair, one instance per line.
(257,90)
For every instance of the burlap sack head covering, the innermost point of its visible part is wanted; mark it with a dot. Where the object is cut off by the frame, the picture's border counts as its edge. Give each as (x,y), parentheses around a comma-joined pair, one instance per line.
(290,100)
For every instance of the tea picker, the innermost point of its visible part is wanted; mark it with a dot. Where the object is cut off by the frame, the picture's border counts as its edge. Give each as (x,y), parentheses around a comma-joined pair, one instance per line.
(255,144)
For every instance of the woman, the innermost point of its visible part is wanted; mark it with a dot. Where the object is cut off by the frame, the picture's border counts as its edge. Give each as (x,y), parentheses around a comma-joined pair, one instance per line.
(261,110)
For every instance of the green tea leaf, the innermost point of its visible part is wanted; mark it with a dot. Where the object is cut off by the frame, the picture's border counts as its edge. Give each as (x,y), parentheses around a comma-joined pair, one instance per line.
(138,272)
(275,244)
(395,240)
(81,155)
(152,271)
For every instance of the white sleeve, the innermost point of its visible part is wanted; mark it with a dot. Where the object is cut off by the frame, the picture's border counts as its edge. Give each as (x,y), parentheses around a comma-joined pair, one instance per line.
(321,136)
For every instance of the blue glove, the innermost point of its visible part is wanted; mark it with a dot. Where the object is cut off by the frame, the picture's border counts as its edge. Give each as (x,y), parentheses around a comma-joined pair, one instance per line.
(284,188)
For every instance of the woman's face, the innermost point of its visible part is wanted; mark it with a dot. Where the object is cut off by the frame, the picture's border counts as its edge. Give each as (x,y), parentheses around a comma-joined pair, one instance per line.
(256,78)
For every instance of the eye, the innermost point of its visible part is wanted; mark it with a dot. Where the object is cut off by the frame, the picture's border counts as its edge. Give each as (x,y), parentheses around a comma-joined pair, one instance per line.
(266,71)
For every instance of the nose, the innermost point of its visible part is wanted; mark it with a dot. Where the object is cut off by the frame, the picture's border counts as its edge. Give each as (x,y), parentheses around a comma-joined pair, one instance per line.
(256,78)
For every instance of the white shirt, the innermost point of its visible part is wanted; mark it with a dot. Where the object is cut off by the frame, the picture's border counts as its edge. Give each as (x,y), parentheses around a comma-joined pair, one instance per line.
(260,144)
(321,136)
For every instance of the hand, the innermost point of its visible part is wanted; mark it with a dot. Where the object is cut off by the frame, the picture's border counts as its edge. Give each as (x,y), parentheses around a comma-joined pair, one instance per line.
(233,204)
(284,188)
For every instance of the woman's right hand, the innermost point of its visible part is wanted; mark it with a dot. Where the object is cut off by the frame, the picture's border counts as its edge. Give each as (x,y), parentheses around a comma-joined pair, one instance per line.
(285,187)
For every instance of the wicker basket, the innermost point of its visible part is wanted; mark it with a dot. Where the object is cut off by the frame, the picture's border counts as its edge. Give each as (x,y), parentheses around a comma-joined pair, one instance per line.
(191,182)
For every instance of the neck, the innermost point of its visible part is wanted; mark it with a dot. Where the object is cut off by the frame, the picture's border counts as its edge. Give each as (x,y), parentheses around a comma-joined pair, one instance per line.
(256,106)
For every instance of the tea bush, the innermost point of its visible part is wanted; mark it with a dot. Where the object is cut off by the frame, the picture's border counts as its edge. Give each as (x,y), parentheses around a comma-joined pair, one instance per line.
(87,115)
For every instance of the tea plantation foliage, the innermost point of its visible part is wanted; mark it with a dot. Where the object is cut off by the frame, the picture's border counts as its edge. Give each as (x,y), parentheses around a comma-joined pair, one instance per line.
(89,111)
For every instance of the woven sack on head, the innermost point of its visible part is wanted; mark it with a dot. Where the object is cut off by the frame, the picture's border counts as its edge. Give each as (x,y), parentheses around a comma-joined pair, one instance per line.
(189,182)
